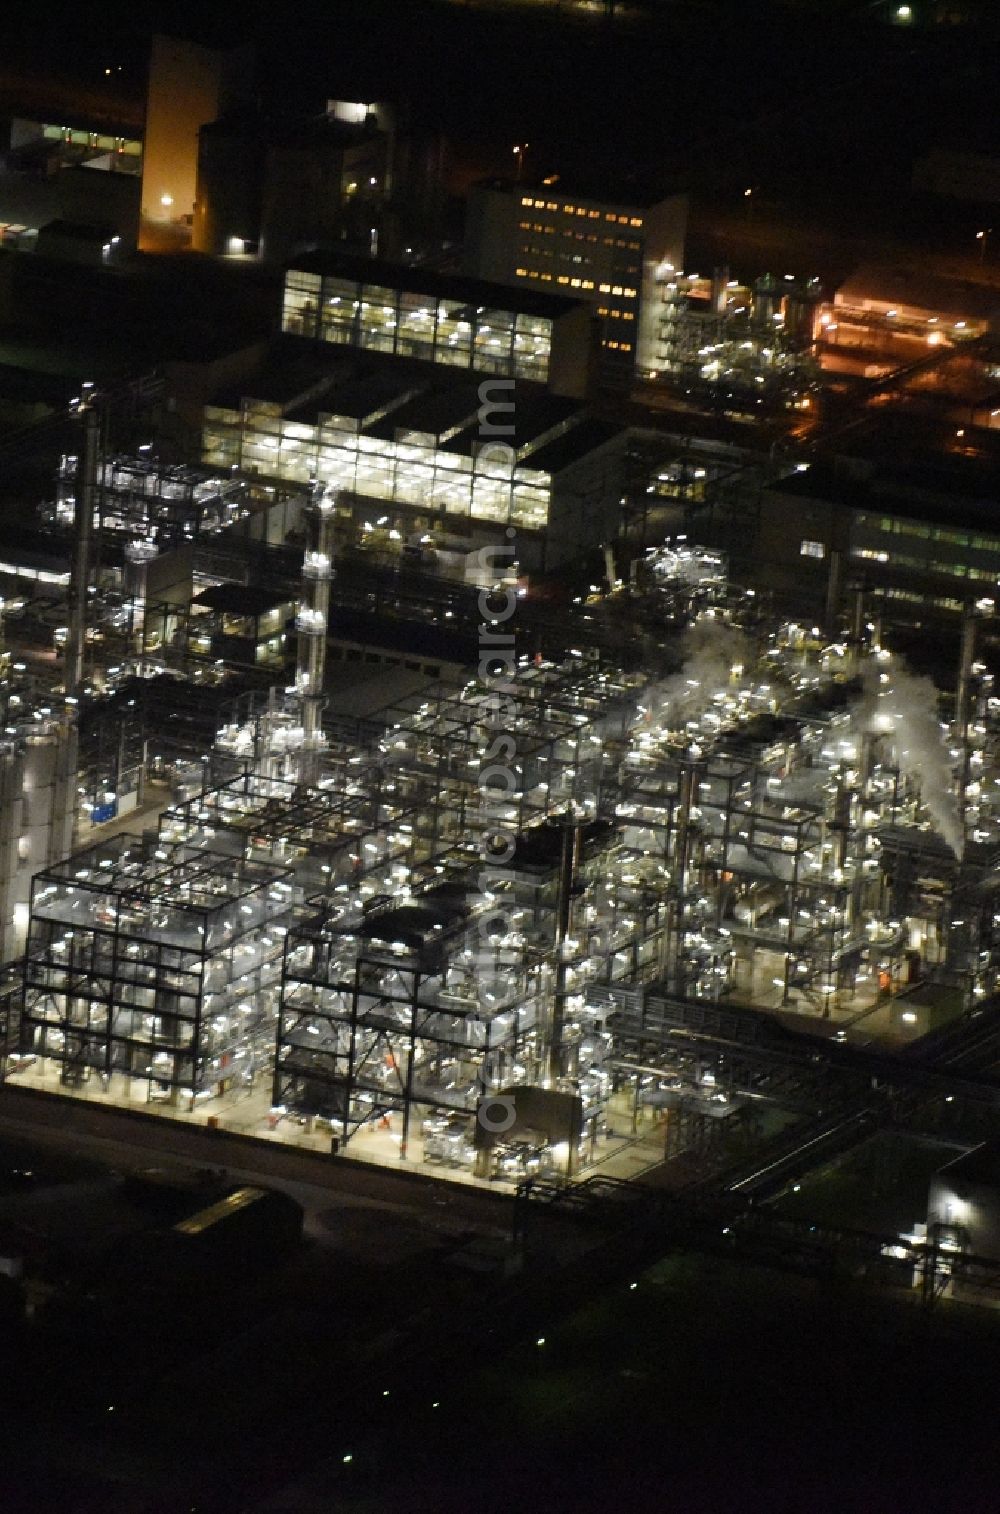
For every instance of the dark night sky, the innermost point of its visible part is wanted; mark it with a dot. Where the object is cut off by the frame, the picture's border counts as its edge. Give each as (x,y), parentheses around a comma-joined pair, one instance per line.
(729,88)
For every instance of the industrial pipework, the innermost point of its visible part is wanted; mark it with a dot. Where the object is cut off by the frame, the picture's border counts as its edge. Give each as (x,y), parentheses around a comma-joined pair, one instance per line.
(311,625)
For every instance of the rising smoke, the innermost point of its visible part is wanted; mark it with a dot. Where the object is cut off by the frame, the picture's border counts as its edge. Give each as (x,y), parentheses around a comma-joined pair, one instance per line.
(907,709)
(711,650)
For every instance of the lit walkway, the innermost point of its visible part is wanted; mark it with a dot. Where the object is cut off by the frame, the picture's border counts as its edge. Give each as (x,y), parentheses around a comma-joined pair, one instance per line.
(250,1114)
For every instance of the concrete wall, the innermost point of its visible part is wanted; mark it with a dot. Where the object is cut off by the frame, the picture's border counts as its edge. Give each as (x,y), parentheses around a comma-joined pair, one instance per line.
(188,87)
(490,227)
(585,510)
(37,811)
(190,386)
(573,358)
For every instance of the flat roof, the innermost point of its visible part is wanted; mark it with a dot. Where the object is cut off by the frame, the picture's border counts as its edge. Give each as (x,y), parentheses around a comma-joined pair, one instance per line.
(980,1165)
(83,231)
(621,191)
(361,396)
(440,402)
(918,490)
(900,284)
(433,411)
(240,599)
(293,369)
(215,1214)
(434,284)
(410,639)
(535,412)
(554,456)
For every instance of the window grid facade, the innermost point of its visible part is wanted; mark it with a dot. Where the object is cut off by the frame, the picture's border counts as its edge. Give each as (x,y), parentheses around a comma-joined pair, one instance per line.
(412,468)
(407,324)
(588,251)
(927,548)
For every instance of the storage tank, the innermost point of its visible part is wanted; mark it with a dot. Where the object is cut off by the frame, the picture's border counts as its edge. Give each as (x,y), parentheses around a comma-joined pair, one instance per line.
(756,906)
(228,196)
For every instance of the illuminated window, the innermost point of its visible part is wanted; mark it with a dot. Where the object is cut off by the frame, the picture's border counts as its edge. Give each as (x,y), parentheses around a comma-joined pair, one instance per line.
(550,205)
(812,549)
(605,288)
(629,294)
(521,273)
(588,284)
(527,202)
(563,278)
(610,216)
(569,209)
(635,221)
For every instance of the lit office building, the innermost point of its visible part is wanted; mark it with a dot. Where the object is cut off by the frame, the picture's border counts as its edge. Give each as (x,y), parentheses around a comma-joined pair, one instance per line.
(438,318)
(585,246)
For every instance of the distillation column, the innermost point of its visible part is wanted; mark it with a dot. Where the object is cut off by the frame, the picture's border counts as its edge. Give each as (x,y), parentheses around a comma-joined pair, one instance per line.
(568,868)
(963,708)
(138,556)
(311,625)
(83,531)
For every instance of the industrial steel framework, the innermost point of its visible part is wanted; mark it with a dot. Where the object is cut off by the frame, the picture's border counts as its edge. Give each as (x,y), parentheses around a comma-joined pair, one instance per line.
(153,960)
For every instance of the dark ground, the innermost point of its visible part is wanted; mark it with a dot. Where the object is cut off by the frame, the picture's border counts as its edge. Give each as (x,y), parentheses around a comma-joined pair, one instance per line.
(711,1384)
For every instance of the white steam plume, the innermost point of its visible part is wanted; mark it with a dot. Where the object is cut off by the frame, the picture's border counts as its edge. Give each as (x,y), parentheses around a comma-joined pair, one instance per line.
(711,650)
(907,708)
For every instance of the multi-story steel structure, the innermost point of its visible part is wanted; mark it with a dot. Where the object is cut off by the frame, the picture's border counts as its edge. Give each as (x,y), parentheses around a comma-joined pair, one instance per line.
(374,938)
